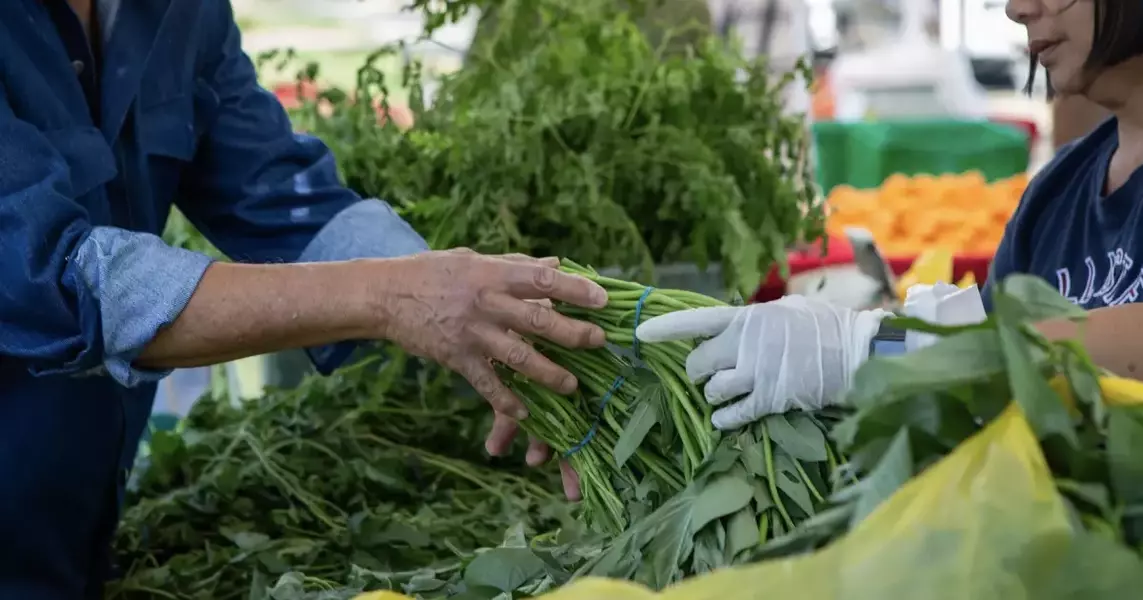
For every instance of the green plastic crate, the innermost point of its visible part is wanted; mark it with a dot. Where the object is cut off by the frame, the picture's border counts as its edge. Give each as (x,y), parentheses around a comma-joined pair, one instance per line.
(831,153)
(865,154)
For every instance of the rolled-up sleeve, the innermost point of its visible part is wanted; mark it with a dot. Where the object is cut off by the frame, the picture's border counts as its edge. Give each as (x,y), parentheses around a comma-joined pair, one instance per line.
(262,193)
(76,299)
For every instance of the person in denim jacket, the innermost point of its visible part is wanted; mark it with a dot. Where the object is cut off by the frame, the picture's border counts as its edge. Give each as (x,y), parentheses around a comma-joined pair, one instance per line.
(110,113)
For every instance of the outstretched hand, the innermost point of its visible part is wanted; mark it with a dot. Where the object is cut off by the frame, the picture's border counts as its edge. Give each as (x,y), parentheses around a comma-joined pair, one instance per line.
(466,310)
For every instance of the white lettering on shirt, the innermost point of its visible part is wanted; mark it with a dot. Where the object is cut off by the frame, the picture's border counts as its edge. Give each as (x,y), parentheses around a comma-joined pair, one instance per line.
(1116,286)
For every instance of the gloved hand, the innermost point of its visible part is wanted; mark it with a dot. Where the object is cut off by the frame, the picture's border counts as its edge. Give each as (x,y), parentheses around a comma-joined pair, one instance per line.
(793,353)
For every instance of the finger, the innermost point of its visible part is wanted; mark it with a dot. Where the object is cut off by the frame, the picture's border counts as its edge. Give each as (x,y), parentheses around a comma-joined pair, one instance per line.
(687,324)
(534,318)
(736,415)
(547,261)
(716,354)
(728,385)
(535,281)
(521,357)
(500,437)
(484,380)
(570,480)
(538,453)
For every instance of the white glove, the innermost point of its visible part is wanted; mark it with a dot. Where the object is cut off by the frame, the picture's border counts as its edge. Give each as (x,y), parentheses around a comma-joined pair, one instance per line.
(792,353)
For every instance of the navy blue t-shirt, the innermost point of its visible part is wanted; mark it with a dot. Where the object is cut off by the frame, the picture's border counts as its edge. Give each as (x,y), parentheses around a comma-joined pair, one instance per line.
(1089,245)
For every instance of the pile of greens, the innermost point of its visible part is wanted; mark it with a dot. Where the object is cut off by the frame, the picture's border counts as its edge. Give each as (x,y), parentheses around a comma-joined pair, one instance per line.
(378,467)
(575,136)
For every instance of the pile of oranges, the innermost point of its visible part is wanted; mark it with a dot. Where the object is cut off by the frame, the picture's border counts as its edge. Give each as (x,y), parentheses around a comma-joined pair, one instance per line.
(907,215)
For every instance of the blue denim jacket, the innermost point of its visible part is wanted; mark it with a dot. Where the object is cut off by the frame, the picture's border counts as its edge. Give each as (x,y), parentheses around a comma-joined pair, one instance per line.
(93,153)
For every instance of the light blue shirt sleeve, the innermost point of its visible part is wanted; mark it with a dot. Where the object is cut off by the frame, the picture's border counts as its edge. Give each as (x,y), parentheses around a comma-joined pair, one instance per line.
(141,285)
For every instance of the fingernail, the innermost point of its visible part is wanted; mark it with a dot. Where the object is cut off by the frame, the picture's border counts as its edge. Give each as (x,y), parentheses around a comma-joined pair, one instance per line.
(599,296)
(534,457)
(598,337)
(570,384)
(521,414)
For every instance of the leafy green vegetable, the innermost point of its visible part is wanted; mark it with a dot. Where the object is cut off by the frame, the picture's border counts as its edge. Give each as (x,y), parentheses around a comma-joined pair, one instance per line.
(584,139)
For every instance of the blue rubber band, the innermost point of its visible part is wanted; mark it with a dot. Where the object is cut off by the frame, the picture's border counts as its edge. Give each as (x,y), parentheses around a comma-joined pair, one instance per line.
(639,319)
(615,385)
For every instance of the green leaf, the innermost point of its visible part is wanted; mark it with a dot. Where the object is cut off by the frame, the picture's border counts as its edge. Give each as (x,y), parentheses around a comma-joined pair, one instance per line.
(246,540)
(1125,452)
(1042,406)
(762,499)
(791,483)
(753,457)
(1036,300)
(503,569)
(973,355)
(708,552)
(664,539)
(915,324)
(797,435)
(741,534)
(722,497)
(1083,378)
(638,426)
(895,468)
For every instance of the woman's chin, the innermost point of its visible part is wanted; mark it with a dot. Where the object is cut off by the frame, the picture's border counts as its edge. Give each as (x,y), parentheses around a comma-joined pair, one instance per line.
(1065,84)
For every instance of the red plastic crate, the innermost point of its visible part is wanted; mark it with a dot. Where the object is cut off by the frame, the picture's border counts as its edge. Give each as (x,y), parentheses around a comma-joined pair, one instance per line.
(841,253)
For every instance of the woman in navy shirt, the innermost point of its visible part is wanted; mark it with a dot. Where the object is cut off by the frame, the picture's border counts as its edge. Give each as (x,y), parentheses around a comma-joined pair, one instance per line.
(1079,226)
(1080,223)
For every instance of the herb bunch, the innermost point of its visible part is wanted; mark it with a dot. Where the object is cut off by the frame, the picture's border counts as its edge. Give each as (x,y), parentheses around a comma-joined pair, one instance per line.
(573,135)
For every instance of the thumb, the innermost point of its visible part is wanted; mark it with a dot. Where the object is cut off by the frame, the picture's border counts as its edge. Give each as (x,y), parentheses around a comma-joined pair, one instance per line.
(687,324)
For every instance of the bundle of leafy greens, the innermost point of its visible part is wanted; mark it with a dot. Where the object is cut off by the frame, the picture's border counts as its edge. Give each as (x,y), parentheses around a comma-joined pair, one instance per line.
(378,467)
(576,136)
(677,497)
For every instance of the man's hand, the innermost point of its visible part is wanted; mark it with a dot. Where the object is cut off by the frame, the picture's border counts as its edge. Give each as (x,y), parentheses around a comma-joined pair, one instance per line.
(793,353)
(464,310)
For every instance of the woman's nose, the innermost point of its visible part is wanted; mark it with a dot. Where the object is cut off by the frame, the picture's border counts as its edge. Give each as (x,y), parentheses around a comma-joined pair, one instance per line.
(1023,11)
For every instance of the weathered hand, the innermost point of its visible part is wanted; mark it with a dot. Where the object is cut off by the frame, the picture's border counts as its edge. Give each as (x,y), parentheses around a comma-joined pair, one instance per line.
(461,309)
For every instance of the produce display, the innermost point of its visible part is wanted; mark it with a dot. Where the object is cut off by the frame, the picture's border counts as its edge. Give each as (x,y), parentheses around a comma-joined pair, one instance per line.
(331,490)
(963,213)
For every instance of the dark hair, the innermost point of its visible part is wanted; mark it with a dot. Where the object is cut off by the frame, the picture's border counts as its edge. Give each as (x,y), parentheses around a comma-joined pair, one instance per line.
(1115,39)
